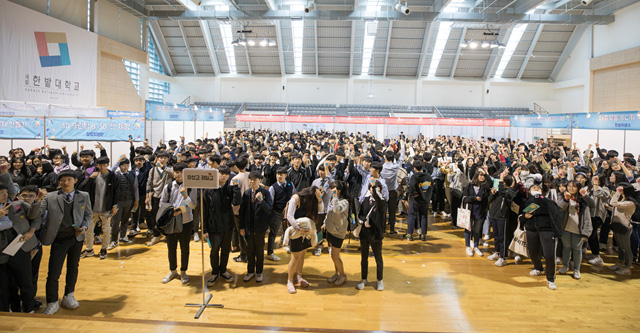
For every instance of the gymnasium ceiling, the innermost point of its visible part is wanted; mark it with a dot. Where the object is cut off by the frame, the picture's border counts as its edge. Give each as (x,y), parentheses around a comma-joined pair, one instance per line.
(341,38)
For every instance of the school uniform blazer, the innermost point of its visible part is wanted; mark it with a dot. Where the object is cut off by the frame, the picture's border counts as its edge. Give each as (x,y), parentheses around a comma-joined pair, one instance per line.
(53,203)
(255,218)
(19,213)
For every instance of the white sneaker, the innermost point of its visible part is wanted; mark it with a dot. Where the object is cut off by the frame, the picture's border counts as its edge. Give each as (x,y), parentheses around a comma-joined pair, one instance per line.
(196,237)
(172,275)
(333,278)
(485,237)
(551,285)
(248,277)
(535,272)
(212,281)
(340,281)
(597,261)
(623,271)
(494,256)
(518,259)
(472,244)
(485,244)
(558,261)
(287,249)
(576,275)
(52,308)
(273,257)
(501,262)
(184,278)
(153,241)
(69,302)
(112,246)
(478,252)
(318,251)
(379,285)
(361,284)
(259,278)
(469,252)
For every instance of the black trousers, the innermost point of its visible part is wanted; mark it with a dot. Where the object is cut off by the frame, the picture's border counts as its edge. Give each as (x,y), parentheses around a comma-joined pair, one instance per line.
(14,296)
(376,247)
(139,215)
(455,204)
(151,220)
(184,238)
(392,206)
(220,249)
(594,244)
(543,242)
(17,268)
(120,221)
(255,252)
(236,238)
(274,227)
(70,249)
(437,200)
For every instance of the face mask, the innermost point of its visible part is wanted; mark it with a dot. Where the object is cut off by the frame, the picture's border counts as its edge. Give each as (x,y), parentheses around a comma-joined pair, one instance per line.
(524,173)
(536,193)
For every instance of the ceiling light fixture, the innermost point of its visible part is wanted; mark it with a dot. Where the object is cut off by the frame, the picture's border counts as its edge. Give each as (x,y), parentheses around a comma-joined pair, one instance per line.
(263,42)
(464,44)
(251,42)
(485,44)
(473,44)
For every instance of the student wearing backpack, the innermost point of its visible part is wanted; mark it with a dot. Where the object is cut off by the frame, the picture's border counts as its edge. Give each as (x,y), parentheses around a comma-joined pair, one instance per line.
(419,193)
(499,211)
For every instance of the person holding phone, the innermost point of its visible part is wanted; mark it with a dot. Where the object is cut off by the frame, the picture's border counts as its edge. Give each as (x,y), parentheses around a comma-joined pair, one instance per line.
(372,214)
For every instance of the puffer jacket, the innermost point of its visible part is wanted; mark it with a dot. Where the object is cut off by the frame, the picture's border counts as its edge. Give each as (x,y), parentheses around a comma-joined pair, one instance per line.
(600,197)
(501,202)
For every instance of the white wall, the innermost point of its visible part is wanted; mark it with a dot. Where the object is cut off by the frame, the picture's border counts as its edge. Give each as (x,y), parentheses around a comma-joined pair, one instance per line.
(452,93)
(623,34)
(386,92)
(571,99)
(522,94)
(116,23)
(316,91)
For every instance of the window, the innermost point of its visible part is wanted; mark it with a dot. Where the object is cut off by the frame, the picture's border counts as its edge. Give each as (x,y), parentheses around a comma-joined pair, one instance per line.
(227,38)
(157,90)
(134,72)
(154,61)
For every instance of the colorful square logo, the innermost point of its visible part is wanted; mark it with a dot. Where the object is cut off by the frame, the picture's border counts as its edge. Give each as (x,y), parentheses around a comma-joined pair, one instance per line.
(52,49)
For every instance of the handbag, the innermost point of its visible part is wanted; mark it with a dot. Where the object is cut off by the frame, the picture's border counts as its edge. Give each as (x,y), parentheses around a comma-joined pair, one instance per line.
(519,243)
(464,217)
(356,231)
(456,193)
(166,223)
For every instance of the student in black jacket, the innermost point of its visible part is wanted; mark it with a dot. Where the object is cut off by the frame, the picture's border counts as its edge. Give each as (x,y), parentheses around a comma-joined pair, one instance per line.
(128,199)
(141,169)
(255,211)
(371,234)
(218,224)
(499,212)
(476,199)
(44,177)
(419,194)
(103,187)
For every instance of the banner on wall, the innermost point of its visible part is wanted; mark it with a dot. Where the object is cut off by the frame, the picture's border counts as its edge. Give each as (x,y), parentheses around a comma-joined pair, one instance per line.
(548,121)
(359,120)
(94,129)
(45,60)
(124,114)
(169,112)
(21,128)
(497,122)
(410,121)
(209,115)
(259,118)
(459,122)
(309,119)
(607,121)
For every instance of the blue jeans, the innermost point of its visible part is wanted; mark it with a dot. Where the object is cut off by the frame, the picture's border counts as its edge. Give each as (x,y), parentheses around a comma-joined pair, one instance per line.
(419,214)
(476,229)
(572,244)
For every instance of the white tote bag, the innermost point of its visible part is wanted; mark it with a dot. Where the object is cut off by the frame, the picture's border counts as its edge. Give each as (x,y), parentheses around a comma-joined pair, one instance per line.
(464,217)
(519,243)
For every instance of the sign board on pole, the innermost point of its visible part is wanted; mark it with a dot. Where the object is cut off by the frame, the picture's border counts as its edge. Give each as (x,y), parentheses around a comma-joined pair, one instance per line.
(200,178)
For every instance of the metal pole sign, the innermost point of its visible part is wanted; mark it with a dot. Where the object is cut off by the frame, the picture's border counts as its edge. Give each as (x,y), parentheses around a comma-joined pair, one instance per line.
(201,179)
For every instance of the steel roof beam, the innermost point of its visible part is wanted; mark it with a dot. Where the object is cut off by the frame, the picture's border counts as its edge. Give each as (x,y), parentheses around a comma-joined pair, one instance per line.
(495,53)
(524,6)
(163,49)
(186,43)
(423,51)
(457,57)
(283,71)
(206,32)
(534,41)
(386,55)
(568,49)
(360,15)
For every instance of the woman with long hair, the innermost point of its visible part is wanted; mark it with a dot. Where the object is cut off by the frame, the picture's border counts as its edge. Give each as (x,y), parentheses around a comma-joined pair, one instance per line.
(19,172)
(624,204)
(600,195)
(45,177)
(335,224)
(305,203)
(373,213)
(476,198)
(576,225)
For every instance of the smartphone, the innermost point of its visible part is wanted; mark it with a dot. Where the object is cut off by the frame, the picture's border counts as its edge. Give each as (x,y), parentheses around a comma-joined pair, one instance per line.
(130,136)
(76,227)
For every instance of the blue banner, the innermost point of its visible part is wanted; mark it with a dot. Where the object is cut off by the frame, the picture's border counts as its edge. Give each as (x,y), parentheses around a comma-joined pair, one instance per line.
(21,128)
(541,121)
(209,114)
(95,129)
(607,121)
(124,114)
(169,112)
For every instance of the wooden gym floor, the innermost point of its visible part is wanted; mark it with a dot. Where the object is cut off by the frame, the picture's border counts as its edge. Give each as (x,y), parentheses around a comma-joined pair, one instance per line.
(429,286)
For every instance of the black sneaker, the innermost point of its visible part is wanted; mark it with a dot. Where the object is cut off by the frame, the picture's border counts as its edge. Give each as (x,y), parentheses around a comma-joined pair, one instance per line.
(240,258)
(103,254)
(423,237)
(393,232)
(37,305)
(409,237)
(227,277)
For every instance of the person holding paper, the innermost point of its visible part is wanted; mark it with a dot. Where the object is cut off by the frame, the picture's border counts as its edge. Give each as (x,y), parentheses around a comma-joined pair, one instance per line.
(16,242)
(68,214)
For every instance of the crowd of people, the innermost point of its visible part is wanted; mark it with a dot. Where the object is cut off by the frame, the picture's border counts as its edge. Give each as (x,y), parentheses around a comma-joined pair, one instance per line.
(314,188)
